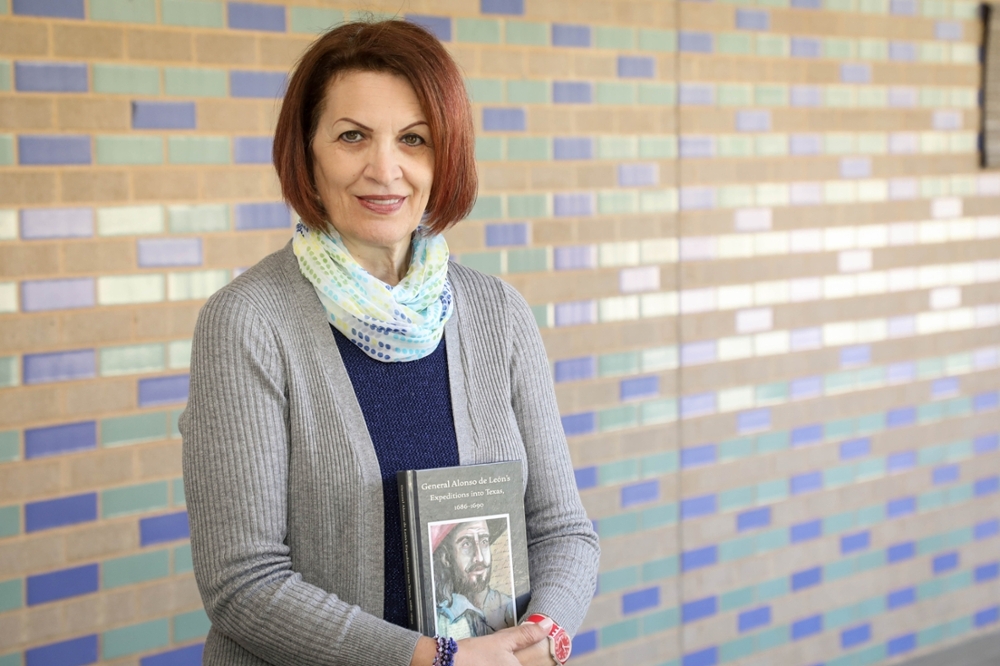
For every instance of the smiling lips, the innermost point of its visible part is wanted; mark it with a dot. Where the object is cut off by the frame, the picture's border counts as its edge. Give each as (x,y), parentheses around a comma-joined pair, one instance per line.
(383,204)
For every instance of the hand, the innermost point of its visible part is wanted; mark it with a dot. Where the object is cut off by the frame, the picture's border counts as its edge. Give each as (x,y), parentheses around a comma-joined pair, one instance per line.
(524,645)
(536,655)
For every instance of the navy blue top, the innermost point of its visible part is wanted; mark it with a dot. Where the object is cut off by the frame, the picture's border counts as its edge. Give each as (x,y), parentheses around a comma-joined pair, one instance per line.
(407,408)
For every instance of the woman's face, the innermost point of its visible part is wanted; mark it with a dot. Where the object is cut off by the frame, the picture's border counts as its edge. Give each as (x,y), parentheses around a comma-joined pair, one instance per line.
(373,161)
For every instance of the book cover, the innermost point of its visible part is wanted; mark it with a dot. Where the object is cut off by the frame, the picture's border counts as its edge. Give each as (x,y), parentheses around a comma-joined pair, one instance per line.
(466,549)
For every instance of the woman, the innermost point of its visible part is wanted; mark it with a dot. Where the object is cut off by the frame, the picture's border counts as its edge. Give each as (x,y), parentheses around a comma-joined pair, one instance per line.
(358,351)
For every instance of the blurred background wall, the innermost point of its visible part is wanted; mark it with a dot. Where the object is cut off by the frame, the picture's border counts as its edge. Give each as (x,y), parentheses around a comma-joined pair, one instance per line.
(755,236)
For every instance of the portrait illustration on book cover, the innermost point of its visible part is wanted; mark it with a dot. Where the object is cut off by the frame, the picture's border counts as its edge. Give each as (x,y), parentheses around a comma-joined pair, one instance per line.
(473,572)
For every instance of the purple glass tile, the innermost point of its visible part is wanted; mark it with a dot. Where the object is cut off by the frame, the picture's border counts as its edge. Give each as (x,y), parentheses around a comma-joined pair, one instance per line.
(948,30)
(696,94)
(902,326)
(806,96)
(805,144)
(903,7)
(507,234)
(575,369)
(262,216)
(753,519)
(585,642)
(695,42)
(640,493)
(855,636)
(945,474)
(987,572)
(806,387)
(573,204)
(806,47)
(806,338)
(855,355)
(805,194)
(696,353)
(944,387)
(163,390)
(39,149)
(697,405)
(62,584)
(185,656)
(512,7)
(903,416)
(696,456)
(985,401)
(586,477)
(902,51)
(901,461)
(72,652)
(639,387)
(574,257)
(806,482)
(439,26)
(944,562)
(900,552)
(47,223)
(636,67)
(807,435)
(638,175)
(898,373)
(904,143)
(697,198)
(900,506)
(707,657)
(575,313)
(579,424)
(573,148)
(900,644)
(807,4)
(58,439)
(753,420)
(986,486)
(252,149)
(754,619)
(807,531)
(855,167)
(252,16)
(899,598)
(49,514)
(985,358)
(163,115)
(986,444)
(160,529)
(263,85)
(947,120)
(695,610)
(59,366)
(640,600)
(755,120)
(699,557)
(753,19)
(564,34)
(696,146)
(504,120)
(986,616)
(902,97)
(850,543)
(50,77)
(156,252)
(42,295)
(807,578)
(852,72)
(572,92)
(855,448)
(696,507)
(986,529)
(71,9)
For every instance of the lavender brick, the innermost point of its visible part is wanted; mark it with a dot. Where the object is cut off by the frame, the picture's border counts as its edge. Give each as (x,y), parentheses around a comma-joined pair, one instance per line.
(640,600)
(696,147)
(754,420)
(697,198)
(190,655)
(753,19)
(901,461)
(71,9)
(252,149)
(696,94)
(855,636)
(248,16)
(900,97)
(807,4)
(854,72)
(753,519)
(697,405)
(947,30)
(636,67)
(579,424)
(806,47)
(944,387)
(574,257)
(985,401)
(262,216)
(902,51)
(806,387)
(511,7)
(163,390)
(986,443)
(639,387)
(696,456)
(262,85)
(72,652)
(507,234)
(41,149)
(575,313)
(805,144)
(564,34)
(807,435)
(697,353)
(59,366)
(638,175)
(640,493)
(504,120)
(855,448)
(697,609)
(902,188)
(59,512)
(902,143)
(59,439)
(696,507)
(163,115)
(62,584)
(806,96)
(573,148)
(48,223)
(575,204)
(439,26)
(572,92)
(900,506)
(855,167)
(806,338)
(157,252)
(900,644)
(42,295)
(698,558)
(903,7)
(945,474)
(50,77)
(161,529)
(755,120)
(575,369)
(805,194)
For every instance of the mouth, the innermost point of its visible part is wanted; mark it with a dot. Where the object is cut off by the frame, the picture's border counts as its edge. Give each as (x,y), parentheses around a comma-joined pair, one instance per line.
(383,204)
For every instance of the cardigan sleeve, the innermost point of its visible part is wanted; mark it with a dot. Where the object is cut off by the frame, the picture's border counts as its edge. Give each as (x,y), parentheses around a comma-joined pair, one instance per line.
(235,457)
(563,550)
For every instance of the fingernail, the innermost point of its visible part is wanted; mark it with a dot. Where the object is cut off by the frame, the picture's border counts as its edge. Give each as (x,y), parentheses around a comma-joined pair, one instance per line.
(546,624)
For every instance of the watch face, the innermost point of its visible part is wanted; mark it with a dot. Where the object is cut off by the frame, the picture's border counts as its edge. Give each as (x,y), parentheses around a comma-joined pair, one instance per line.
(561,646)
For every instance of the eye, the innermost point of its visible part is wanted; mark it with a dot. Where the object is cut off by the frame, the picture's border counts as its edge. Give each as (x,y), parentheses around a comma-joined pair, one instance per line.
(413,140)
(351,136)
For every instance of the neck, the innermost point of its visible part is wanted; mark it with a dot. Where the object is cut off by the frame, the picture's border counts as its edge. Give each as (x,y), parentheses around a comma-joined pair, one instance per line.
(388,264)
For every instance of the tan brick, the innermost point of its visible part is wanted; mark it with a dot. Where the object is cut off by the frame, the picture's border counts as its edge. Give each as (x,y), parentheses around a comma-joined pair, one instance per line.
(214,48)
(547,176)
(549,119)
(44,623)
(99,468)
(29,260)
(101,540)
(466,57)
(28,332)
(242,182)
(153,44)
(87,41)
(157,460)
(596,175)
(283,51)
(167,597)
(588,64)
(98,611)
(93,114)
(98,396)
(550,63)
(502,62)
(30,480)
(168,320)
(31,555)
(503,176)
(101,326)
(29,405)
(645,14)
(229,115)
(99,256)
(23,38)
(235,250)
(21,113)
(92,185)
(12,630)
(165,184)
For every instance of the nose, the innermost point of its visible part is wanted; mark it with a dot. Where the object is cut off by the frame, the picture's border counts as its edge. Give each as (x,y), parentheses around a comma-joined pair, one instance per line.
(383,165)
(478,555)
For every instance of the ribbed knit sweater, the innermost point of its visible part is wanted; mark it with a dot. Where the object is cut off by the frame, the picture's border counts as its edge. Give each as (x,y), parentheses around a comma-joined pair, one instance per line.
(283,486)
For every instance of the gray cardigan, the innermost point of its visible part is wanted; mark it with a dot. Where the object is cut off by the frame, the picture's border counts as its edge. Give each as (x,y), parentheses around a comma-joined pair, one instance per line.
(283,487)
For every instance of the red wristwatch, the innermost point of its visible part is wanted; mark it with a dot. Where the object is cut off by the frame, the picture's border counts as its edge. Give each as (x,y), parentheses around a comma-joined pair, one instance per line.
(559,643)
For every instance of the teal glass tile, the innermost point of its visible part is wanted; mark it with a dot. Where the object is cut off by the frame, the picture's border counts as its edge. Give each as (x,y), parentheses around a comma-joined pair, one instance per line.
(657,93)
(735,196)
(665,567)
(768,394)
(873,49)
(930,635)
(932,544)
(928,368)
(133,429)
(619,632)
(615,418)
(5,77)
(869,655)
(654,359)
(13,658)
(875,97)
(772,491)
(838,569)
(957,407)
(959,537)
(199,149)
(771,95)
(772,539)
(369,16)
(959,450)
(480,31)
(612,37)
(734,43)
(129,150)
(314,20)
(660,621)
(527,261)
(619,579)
(528,92)
(838,522)
(658,464)
(930,412)
(526,33)
(966,11)
(839,429)
(9,371)
(661,147)
(6,149)
(204,218)
(772,46)
(772,442)
(520,206)
(200,13)
(127,11)
(871,468)
(133,499)
(133,569)
(932,455)
(736,649)
(933,96)
(869,561)
(617,202)
(869,377)
(838,617)
(188,626)
(541,314)
(617,147)
(658,516)
(736,498)
(839,49)
(734,94)
(488,207)
(189,82)
(958,627)
(838,476)
(484,91)
(657,40)
(870,424)
(10,446)
(613,526)
(930,589)
(960,493)
(958,363)
(772,638)
(10,520)
(734,599)
(615,92)
(838,382)
(624,363)
(735,449)
(177,497)
(485,262)
(869,608)
(182,559)
(958,581)
(135,639)
(174,418)
(11,595)
(658,411)
(737,549)
(771,589)
(871,515)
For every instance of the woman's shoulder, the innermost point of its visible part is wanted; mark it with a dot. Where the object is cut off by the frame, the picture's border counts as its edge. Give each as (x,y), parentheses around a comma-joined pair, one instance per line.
(487,295)
(265,288)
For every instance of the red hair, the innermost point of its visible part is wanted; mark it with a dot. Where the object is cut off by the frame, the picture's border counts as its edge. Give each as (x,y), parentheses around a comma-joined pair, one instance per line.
(394,47)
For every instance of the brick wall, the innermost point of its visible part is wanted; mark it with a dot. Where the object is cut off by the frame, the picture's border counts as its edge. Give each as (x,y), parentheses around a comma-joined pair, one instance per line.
(754,234)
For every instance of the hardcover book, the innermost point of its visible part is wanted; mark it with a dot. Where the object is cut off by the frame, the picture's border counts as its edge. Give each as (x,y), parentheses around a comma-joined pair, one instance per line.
(466,548)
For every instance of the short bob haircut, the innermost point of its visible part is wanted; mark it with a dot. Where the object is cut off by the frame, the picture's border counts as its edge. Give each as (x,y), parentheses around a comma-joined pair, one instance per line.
(394,47)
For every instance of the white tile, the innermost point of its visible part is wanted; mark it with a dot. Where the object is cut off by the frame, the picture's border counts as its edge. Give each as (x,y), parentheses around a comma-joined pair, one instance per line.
(806,240)
(772,194)
(735,246)
(618,308)
(805,289)
(754,320)
(961,319)
(902,279)
(873,189)
(771,292)
(619,254)
(126,289)
(643,278)
(734,296)
(839,286)
(179,353)
(129,220)
(731,349)
(840,333)
(946,207)
(873,235)
(771,243)
(852,261)
(987,271)
(903,188)
(932,322)
(753,219)
(839,238)
(774,342)
(961,274)
(8,297)
(945,298)
(697,300)
(732,399)
(697,248)
(873,330)
(934,275)
(8,224)
(658,358)
(875,282)
(987,315)
(989,185)
(658,251)
(902,233)
(663,304)
(963,228)
(988,227)
(195,284)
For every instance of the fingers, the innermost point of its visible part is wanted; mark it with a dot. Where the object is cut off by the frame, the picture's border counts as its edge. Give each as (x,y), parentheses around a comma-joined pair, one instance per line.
(527,634)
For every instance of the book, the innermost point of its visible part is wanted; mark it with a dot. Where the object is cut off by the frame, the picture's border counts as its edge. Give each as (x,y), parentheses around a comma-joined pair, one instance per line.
(466,551)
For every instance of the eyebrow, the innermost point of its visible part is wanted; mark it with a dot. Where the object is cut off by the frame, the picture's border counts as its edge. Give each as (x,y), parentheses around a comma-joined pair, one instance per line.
(369,129)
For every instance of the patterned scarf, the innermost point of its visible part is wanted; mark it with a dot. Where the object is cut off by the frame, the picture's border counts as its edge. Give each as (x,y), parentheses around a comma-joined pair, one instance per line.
(391,324)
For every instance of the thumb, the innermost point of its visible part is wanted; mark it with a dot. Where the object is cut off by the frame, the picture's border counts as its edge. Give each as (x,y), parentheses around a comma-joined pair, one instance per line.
(528,634)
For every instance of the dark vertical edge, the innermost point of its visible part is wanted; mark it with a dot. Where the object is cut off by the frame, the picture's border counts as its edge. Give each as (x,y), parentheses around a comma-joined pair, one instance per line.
(411,550)
(988,65)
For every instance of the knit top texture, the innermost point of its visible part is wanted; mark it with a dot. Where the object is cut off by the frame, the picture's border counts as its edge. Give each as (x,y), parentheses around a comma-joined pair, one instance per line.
(283,485)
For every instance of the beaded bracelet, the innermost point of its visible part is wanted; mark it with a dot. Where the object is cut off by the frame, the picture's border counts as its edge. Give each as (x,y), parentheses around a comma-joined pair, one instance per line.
(447,647)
